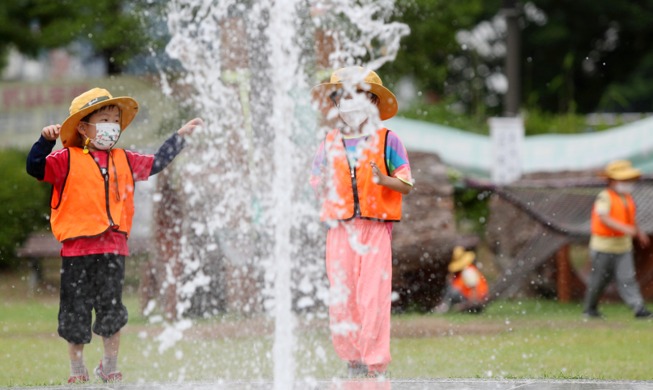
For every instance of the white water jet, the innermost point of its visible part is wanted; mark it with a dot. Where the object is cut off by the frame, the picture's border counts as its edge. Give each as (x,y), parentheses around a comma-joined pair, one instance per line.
(245,215)
(284,62)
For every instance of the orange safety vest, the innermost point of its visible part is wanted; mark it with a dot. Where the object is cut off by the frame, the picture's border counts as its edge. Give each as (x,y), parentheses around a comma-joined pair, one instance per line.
(356,194)
(622,209)
(476,293)
(90,202)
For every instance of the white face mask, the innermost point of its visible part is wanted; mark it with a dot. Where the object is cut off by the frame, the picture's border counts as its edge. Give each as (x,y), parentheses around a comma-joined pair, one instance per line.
(624,187)
(354,111)
(106,135)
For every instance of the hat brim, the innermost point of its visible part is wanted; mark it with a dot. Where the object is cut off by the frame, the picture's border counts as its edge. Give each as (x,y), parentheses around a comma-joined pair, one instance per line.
(463,261)
(388,106)
(128,110)
(626,174)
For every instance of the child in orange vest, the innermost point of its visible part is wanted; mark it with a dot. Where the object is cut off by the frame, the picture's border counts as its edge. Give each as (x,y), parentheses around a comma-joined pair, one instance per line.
(360,172)
(466,285)
(92,208)
(614,226)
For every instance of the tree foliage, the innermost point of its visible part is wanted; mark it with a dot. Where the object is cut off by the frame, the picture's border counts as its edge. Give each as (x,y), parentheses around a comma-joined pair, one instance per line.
(590,55)
(24,204)
(112,27)
(426,52)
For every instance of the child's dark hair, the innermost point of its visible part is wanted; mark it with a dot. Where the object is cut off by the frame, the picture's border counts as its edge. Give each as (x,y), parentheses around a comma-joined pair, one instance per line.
(101,109)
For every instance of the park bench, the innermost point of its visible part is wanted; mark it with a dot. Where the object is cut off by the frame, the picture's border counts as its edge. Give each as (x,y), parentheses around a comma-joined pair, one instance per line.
(41,246)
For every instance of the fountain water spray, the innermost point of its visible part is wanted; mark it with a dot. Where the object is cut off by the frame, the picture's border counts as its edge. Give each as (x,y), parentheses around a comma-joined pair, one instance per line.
(247,213)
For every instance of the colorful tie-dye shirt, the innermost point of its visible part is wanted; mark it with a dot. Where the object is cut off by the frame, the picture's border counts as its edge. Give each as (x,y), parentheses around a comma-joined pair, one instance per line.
(395,153)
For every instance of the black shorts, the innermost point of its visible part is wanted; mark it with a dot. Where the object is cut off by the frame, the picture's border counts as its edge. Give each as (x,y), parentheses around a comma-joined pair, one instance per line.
(87,283)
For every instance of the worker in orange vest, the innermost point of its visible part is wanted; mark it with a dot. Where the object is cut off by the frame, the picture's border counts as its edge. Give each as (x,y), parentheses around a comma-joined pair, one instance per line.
(466,285)
(614,226)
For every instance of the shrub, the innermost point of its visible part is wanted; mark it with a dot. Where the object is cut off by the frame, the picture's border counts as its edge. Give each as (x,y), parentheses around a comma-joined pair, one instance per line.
(24,204)
(539,122)
(445,114)
(535,121)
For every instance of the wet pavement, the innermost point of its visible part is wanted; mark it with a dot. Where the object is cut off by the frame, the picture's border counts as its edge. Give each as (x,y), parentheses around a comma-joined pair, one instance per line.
(393,384)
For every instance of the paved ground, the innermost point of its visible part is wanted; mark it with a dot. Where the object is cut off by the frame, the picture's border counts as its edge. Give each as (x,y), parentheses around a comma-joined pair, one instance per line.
(395,384)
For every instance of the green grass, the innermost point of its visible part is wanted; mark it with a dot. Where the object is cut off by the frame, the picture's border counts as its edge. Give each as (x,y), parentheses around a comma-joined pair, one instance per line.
(512,339)
(532,339)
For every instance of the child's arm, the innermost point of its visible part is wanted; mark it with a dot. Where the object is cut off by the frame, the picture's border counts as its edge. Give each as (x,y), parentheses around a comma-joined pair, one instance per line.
(642,237)
(317,171)
(390,182)
(173,146)
(632,231)
(40,150)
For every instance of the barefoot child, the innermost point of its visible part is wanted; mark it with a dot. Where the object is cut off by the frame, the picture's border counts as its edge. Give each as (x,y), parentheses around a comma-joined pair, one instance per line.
(92,206)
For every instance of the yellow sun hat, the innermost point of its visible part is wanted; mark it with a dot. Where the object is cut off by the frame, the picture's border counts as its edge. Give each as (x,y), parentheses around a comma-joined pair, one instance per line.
(90,101)
(460,259)
(367,80)
(621,170)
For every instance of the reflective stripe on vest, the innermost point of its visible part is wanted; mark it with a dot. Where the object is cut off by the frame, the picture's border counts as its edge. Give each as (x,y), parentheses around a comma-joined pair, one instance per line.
(89,202)
(622,209)
(374,201)
(479,292)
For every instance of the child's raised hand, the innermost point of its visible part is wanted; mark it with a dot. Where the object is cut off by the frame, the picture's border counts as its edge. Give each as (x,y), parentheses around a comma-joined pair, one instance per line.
(390,182)
(190,126)
(51,133)
(376,172)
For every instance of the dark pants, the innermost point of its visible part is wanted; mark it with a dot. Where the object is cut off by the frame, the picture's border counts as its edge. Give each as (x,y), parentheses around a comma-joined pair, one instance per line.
(608,266)
(452,296)
(88,283)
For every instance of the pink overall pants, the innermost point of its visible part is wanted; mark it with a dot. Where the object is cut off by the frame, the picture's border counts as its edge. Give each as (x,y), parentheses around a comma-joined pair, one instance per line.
(359,267)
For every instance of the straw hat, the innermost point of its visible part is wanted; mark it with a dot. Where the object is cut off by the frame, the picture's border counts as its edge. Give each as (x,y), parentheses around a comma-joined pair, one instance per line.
(367,79)
(90,101)
(460,259)
(621,170)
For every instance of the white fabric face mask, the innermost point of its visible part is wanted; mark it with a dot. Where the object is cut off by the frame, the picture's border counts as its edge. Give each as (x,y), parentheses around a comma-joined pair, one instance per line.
(470,277)
(106,135)
(354,111)
(624,187)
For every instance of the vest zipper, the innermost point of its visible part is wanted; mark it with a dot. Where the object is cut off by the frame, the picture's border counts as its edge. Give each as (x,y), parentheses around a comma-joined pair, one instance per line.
(354,186)
(105,174)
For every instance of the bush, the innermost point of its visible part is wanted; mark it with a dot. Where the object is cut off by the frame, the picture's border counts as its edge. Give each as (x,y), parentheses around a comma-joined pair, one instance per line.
(535,120)
(539,122)
(445,114)
(25,205)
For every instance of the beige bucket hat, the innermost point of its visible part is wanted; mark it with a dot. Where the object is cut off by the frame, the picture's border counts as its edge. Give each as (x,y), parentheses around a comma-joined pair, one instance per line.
(90,101)
(460,259)
(621,170)
(371,82)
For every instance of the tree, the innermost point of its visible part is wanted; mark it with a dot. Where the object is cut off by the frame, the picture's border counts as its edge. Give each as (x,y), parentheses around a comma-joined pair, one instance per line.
(426,52)
(112,28)
(577,56)
(24,202)
(587,50)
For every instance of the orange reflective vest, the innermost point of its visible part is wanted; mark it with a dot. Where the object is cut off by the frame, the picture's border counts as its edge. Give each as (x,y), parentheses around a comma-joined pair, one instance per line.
(622,209)
(476,293)
(355,193)
(89,202)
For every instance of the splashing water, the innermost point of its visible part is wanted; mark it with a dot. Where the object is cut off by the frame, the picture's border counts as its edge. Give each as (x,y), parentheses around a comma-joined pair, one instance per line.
(246,232)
